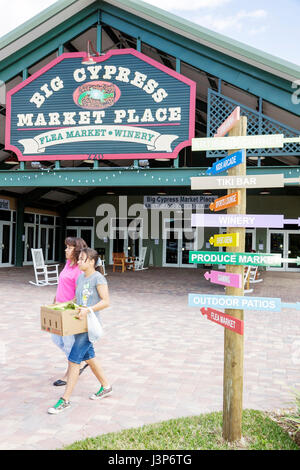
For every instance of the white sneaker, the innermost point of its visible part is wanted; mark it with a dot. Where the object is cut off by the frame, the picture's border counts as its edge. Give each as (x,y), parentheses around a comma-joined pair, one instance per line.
(102,393)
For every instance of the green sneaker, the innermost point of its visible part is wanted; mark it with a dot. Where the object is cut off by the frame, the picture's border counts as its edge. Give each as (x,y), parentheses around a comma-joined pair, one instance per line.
(102,393)
(60,406)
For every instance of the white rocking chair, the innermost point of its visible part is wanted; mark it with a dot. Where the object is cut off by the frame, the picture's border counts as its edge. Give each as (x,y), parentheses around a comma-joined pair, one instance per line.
(247,272)
(102,263)
(253,275)
(45,274)
(140,260)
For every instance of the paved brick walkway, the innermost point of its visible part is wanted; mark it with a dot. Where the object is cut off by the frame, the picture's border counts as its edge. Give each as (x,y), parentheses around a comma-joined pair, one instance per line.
(163,359)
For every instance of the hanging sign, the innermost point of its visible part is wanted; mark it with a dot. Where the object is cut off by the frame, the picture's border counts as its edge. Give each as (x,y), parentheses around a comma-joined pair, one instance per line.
(229,123)
(246,259)
(249,181)
(239,142)
(240,220)
(224,202)
(230,161)
(241,303)
(228,321)
(224,278)
(178,202)
(125,105)
(225,239)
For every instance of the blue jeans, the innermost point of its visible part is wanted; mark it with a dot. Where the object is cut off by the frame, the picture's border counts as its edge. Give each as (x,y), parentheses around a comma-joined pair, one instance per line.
(82,349)
(65,343)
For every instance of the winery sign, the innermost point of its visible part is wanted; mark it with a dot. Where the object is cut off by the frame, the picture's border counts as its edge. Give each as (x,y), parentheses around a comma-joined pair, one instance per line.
(125,105)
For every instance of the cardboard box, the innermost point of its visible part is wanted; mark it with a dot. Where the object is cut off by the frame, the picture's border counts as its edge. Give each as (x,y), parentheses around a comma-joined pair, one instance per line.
(62,322)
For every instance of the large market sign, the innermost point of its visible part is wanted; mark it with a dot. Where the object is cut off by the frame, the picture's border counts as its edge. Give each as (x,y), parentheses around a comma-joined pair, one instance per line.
(124,106)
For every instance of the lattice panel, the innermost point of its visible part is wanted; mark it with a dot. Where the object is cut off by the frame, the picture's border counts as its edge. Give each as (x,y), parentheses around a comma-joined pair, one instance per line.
(218,109)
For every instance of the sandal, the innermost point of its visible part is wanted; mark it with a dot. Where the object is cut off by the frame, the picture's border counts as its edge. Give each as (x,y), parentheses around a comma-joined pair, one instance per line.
(82,369)
(59,382)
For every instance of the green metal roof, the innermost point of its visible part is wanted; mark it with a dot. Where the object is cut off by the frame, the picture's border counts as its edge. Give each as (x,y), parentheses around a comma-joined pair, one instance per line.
(175,23)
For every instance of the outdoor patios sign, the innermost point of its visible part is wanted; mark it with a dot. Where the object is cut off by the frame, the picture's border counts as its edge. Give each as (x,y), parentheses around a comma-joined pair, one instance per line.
(124,106)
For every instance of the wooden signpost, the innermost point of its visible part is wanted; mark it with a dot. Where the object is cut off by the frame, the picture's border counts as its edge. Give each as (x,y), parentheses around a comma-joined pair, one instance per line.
(234,301)
(234,343)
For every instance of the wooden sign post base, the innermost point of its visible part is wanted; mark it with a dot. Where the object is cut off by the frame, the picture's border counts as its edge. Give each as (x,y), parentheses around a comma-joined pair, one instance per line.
(233,342)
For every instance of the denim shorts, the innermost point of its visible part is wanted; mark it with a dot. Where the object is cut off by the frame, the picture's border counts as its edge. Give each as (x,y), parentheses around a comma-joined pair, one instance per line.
(82,349)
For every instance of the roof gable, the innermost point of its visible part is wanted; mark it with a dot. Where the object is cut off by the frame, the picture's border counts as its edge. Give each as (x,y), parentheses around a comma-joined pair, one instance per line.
(63,9)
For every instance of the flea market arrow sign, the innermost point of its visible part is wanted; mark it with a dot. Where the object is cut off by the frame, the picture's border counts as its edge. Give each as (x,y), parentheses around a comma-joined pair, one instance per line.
(240,302)
(230,161)
(228,321)
(125,104)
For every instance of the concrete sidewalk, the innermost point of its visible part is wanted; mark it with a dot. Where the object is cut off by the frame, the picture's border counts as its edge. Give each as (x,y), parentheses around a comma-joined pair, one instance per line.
(163,358)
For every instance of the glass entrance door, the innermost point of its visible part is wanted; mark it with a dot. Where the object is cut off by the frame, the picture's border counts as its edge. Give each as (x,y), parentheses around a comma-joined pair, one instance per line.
(85,233)
(287,243)
(177,244)
(293,249)
(126,236)
(47,242)
(29,243)
(6,244)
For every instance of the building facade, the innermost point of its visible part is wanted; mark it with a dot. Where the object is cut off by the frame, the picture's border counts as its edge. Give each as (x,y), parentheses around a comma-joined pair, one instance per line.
(117,199)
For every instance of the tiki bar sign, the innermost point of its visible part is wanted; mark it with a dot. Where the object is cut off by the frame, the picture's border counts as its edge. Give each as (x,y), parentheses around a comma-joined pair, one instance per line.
(124,106)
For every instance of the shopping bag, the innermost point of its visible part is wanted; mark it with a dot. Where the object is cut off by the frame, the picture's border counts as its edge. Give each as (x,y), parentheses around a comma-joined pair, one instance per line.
(95,330)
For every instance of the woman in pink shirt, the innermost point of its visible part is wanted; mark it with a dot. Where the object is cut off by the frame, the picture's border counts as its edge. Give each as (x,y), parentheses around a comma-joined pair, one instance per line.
(66,292)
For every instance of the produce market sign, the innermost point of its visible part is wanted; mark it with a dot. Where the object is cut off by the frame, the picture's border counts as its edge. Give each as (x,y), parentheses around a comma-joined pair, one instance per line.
(124,106)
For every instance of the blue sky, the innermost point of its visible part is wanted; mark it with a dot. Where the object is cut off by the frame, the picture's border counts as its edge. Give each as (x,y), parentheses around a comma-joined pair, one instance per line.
(271,26)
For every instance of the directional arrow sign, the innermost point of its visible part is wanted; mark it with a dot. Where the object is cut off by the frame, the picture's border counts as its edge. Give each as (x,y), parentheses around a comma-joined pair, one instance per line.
(230,161)
(291,260)
(228,321)
(224,202)
(245,259)
(237,220)
(241,303)
(225,239)
(228,124)
(240,142)
(248,181)
(225,279)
